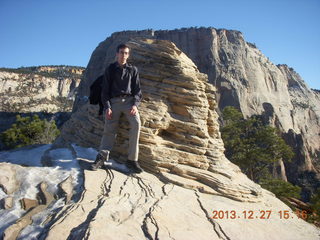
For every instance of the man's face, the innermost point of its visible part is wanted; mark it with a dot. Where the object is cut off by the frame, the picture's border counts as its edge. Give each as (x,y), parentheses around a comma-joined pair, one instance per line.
(123,55)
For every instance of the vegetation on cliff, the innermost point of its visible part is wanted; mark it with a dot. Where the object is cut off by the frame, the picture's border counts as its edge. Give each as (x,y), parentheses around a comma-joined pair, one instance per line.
(49,71)
(251,144)
(255,147)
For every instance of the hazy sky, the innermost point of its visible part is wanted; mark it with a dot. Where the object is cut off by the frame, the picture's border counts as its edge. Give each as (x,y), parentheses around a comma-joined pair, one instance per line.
(56,32)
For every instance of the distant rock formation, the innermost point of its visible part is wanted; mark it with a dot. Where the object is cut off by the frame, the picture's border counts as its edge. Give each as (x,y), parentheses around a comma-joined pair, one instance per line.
(246,79)
(44,89)
(37,89)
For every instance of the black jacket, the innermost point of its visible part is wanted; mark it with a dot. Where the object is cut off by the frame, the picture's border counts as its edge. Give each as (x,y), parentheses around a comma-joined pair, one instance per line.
(120,81)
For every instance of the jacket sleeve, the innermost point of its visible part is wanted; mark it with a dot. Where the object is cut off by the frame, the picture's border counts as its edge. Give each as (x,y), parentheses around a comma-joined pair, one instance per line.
(106,87)
(136,88)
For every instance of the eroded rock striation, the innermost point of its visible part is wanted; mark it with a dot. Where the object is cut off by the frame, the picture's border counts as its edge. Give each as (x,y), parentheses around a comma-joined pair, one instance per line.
(180,139)
(116,206)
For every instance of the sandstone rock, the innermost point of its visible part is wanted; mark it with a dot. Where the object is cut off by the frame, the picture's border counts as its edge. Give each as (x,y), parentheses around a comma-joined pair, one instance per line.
(8,181)
(247,79)
(180,144)
(113,205)
(6,203)
(44,197)
(27,203)
(38,92)
(180,136)
(66,189)
(244,78)
(117,206)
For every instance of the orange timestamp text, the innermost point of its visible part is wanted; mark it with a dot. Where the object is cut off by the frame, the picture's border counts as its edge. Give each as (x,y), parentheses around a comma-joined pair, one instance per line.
(258,214)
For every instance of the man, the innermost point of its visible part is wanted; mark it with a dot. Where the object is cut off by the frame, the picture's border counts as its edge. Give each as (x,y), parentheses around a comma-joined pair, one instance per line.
(121,93)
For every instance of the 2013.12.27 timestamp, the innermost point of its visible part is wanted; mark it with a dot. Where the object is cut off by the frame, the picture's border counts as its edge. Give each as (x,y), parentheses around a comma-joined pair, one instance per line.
(258,214)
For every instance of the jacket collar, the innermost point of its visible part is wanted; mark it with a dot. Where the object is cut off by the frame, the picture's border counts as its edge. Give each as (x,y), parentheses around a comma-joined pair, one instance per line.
(126,65)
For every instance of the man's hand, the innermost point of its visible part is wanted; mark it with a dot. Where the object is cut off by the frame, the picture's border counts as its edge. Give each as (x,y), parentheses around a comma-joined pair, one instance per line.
(133,110)
(109,113)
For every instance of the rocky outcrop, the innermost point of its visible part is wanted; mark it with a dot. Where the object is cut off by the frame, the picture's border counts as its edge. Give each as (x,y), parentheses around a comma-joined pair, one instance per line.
(246,79)
(180,139)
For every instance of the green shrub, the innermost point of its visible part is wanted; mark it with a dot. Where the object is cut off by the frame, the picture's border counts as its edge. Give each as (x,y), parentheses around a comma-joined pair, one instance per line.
(27,131)
(315,204)
(251,144)
(315,201)
(280,188)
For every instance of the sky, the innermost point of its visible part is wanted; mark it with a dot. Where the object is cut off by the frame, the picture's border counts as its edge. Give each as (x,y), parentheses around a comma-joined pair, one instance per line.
(65,32)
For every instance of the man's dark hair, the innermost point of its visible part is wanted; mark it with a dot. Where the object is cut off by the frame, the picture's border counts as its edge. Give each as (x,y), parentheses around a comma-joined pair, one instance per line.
(121,46)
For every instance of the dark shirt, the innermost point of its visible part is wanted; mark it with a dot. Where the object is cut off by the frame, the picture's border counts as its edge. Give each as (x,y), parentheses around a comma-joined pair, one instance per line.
(120,81)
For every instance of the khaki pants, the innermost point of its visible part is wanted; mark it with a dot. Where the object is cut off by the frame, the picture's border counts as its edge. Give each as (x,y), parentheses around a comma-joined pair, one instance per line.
(121,105)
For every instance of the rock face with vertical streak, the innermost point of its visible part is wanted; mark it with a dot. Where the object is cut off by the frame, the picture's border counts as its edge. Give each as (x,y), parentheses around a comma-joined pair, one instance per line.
(246,79)
(180,137)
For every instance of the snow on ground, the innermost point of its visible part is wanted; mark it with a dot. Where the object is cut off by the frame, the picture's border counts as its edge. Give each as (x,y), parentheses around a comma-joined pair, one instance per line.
(87,153)
(64,164)
(91,153)
(27,157)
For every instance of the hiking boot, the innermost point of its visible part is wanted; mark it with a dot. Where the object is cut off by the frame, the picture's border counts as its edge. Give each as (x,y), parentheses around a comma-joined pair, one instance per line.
(134,166)
(98,163)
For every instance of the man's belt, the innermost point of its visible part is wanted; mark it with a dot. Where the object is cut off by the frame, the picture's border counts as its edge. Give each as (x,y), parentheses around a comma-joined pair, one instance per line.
(123,95)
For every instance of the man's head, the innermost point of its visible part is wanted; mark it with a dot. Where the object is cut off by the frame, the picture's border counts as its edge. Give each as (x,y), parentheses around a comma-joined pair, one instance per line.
(123,52)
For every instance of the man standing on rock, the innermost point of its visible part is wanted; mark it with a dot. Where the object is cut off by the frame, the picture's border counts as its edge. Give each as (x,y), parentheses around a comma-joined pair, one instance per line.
(121,93)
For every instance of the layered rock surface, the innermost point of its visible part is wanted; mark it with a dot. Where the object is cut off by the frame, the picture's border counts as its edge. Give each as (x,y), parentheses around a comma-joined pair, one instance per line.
(180,139)
(244,78)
